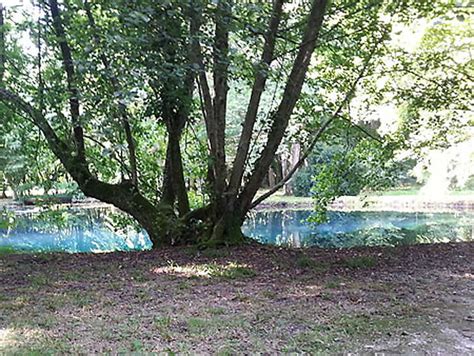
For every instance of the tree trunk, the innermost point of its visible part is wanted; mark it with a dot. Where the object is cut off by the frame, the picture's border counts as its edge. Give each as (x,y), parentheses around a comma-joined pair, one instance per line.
(295,155)
(174,186)
(226,228)
(160,222)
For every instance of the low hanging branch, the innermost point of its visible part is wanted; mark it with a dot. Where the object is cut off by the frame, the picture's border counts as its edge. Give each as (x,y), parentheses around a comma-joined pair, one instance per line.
(320,131)
(59,147)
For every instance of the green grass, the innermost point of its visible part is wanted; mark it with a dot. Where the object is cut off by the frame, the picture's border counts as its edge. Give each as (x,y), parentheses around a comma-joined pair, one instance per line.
(307,262)
(216,310)
(395,192)
(198,325)
(7,250)
(38,281)
(334,284)
(329,337)
(279,197)
(237,272)
(215,253)
(360,262)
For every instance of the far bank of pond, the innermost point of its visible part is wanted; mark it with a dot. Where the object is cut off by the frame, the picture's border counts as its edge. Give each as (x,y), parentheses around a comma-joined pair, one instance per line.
(401,203)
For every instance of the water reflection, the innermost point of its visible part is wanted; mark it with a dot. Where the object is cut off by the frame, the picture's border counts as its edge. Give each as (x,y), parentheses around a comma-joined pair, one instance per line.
(348,229)
(101,230)
(76,230)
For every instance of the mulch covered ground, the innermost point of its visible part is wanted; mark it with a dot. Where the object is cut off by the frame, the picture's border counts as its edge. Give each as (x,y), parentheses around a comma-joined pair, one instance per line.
(413,299)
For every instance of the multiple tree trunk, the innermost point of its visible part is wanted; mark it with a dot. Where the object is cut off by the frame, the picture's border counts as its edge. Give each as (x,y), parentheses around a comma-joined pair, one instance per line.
(169,221)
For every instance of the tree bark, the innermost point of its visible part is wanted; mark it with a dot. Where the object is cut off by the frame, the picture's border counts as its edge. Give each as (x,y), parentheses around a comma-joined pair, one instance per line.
(220,76)
(160,222)
(174,185)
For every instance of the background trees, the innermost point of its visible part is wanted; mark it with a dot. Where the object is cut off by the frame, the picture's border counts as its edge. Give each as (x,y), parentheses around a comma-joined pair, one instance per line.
(138,100)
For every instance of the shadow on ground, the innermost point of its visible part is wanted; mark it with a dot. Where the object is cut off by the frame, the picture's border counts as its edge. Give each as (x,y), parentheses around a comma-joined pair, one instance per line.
(413,299)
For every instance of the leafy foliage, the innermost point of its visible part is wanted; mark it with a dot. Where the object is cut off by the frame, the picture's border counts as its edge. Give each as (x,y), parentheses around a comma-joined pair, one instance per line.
(134,111)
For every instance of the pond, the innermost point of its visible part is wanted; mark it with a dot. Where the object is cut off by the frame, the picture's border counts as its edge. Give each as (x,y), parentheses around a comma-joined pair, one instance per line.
(103,230)
(72,230)
(350,229)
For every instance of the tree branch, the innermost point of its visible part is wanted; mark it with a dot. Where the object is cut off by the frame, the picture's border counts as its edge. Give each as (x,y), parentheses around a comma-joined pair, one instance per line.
(291,94)
(59,148)
(257,90)
(320,131)
(71,79)
(2,43)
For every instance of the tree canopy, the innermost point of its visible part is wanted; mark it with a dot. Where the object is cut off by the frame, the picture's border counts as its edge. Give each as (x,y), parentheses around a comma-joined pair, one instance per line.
(174,111)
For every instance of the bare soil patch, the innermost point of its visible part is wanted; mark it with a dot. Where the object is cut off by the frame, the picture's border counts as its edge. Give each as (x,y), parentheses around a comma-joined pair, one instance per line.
(410,300)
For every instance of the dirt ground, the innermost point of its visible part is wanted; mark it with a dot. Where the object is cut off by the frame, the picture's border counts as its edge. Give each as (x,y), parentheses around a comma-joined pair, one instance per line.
(405,300)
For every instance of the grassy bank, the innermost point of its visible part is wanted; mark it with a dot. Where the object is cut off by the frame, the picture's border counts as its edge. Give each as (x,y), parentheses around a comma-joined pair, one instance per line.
(248,299)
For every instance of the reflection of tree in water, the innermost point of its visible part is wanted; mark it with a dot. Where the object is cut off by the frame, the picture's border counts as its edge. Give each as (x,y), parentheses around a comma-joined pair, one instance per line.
(359,228)
(74,230)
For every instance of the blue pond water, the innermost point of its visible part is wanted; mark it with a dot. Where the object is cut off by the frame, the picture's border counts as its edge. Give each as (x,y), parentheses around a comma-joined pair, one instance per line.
(76,230)
(349,229)
(97,230)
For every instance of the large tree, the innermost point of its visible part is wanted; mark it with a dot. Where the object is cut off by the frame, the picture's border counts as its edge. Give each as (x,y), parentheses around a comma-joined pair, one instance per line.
(109,78)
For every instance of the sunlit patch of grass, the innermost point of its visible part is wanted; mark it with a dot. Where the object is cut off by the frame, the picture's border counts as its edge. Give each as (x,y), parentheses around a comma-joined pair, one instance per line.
(360,262)
(209,270)
(30,341)
(7,339)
